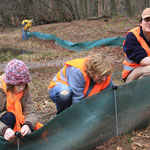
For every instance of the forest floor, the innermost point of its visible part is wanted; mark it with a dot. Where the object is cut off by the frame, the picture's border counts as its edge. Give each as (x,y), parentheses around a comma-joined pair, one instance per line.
(45,58)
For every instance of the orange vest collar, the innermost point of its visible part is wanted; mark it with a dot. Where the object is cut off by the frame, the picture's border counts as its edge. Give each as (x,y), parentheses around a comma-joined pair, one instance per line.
(80,64)
(14,106)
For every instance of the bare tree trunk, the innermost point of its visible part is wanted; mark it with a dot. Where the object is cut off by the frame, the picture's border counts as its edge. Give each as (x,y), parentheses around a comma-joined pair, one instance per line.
(54,9)
(139,5)
(58,8)
(113,7)
(76,9)
(86,8)
(82,9)
(103,8)
(91,8)
(96,8)
(127,8)
(72,10)
(146,3)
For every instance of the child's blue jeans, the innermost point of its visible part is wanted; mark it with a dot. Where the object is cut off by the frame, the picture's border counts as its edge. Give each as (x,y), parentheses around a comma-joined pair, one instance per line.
(61,100)
(24,34)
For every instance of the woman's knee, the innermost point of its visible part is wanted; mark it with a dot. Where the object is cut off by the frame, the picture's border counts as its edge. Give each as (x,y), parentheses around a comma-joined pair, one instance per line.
(138,73)
(145,71)
(60,92)
(65,95)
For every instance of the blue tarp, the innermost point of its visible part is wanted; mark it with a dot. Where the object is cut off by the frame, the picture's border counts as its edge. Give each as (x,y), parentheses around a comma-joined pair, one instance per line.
(81,46)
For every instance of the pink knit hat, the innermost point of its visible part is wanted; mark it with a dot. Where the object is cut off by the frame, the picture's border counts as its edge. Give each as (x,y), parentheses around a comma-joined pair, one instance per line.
(16,72)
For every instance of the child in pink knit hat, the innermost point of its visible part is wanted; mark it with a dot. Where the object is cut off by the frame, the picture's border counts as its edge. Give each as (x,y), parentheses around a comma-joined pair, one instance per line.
(16,107)
(16,72)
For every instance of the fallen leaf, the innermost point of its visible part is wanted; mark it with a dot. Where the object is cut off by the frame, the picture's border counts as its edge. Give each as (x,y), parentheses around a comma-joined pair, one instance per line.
(119,148)
(146,145)
(138,144)
(133,146)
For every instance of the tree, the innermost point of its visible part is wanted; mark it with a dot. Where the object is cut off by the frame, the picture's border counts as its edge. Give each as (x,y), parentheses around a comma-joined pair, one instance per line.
(127,8)
(12,12)
(113,7)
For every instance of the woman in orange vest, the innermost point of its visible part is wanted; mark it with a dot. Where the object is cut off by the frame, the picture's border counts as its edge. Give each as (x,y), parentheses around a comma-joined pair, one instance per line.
(16,106)
(80,78)
(137,50)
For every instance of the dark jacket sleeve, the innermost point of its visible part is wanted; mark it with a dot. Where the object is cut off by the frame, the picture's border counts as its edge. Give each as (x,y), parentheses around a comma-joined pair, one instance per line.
(133,49)
(3,110)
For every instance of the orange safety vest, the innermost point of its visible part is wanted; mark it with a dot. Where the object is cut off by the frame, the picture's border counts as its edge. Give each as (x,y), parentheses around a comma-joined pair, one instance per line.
(14,106)
(129,65)
(80,64)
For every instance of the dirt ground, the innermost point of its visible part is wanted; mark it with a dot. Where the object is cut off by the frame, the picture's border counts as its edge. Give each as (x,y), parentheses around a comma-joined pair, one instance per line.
(43,68)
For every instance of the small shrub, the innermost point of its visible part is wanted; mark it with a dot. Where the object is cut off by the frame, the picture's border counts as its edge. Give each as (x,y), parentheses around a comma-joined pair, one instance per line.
(5,56)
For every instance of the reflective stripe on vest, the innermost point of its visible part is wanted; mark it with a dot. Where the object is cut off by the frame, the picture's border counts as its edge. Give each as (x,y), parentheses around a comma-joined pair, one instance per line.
(80,64)
(128,68)
(129,65)
(60,75)
(59,78)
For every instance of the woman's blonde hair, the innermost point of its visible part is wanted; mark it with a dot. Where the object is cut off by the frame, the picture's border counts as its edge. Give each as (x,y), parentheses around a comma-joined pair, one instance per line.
(98,63)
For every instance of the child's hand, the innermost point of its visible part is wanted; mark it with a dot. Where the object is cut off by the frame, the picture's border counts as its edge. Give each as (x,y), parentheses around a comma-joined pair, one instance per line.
(25,130)
(9,134)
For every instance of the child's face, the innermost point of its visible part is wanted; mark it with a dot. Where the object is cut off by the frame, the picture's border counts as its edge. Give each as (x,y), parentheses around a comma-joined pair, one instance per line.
(19,88)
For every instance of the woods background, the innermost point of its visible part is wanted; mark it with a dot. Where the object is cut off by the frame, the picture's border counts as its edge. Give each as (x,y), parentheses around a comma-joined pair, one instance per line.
(12,12)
